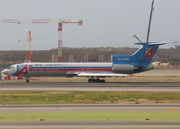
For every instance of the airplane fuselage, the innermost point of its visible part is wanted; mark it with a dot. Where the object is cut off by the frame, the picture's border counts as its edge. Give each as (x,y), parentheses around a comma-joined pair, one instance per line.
(66,69)
(71,69)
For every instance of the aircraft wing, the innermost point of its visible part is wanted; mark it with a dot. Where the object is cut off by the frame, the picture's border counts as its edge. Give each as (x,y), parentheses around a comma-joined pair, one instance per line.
(88,74)
(101,75)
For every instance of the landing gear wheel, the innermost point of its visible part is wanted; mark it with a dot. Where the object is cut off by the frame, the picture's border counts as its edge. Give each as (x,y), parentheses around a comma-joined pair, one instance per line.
(96,80)
(27,80)
(89,80)
(103,81)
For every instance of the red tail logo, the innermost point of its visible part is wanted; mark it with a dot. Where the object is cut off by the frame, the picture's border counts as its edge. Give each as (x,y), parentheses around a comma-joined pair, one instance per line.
(149,53)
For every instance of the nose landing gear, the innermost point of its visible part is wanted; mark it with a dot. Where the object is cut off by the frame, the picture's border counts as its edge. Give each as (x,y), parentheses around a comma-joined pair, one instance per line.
(27,79)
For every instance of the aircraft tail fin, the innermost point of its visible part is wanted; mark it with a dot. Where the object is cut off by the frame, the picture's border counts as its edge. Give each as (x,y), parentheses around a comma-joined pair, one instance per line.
(142,57)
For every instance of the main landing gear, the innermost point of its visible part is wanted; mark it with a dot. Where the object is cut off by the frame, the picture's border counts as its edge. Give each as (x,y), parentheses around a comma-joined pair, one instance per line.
(92,79)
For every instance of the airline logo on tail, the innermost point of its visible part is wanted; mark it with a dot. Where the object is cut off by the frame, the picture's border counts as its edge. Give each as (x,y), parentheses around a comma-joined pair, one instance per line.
(148,53)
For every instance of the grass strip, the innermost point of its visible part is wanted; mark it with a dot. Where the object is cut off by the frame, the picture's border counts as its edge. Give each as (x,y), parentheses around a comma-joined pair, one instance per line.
(89,116)
(86,97)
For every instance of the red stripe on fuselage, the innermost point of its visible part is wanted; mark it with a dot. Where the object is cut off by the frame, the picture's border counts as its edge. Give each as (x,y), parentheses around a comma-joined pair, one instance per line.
(70,69)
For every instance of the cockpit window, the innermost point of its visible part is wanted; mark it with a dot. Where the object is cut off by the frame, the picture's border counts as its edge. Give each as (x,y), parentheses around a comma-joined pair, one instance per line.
(11,67)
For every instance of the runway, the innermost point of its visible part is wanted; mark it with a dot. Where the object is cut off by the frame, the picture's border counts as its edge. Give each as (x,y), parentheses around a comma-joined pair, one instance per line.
(78,86)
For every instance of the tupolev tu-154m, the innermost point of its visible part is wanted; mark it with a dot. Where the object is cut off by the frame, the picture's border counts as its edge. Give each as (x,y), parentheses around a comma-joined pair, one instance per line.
(121,65)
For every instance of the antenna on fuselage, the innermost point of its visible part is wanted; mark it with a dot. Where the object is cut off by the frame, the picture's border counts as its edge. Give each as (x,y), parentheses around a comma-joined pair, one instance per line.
(147,40)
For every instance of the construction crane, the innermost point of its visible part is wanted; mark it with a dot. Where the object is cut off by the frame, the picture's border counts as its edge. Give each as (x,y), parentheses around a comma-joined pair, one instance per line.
(28,51)
(137,38)
(47,21)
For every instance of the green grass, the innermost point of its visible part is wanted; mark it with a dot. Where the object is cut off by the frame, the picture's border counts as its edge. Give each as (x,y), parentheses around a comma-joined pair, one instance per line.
(85,97)
(89,116)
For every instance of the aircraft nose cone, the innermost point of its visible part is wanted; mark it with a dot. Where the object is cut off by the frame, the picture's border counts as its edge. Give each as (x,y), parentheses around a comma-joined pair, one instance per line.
(4,72)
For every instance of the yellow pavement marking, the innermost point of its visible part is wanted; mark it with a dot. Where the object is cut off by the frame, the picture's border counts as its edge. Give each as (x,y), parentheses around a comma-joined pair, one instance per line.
(170,110)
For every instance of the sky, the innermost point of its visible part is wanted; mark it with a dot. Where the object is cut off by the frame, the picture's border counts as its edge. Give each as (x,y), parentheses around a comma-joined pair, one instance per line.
(106,23)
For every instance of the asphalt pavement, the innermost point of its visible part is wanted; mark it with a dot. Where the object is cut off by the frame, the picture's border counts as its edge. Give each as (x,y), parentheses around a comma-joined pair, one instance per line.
(81,86)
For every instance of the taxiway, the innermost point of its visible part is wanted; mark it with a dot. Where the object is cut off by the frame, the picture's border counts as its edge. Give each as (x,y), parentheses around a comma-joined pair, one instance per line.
(77,124)
(89,108)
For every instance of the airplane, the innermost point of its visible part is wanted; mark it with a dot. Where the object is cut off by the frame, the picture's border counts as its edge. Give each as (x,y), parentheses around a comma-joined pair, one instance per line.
(121,65)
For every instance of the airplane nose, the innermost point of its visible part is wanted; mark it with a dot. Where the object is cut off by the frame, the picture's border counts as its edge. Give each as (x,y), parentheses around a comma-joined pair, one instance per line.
(4,72)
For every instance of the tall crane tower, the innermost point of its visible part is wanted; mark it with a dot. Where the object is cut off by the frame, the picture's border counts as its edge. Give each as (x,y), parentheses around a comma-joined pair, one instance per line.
(60,23)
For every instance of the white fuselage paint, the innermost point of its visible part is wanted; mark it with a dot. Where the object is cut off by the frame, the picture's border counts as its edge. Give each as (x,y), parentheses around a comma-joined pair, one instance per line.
(57,69)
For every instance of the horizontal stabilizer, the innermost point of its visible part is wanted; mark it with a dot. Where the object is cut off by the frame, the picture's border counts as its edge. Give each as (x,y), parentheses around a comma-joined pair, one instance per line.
(156,43)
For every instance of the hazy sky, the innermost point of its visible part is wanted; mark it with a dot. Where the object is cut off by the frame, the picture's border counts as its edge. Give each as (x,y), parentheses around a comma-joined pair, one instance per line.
(106,23)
